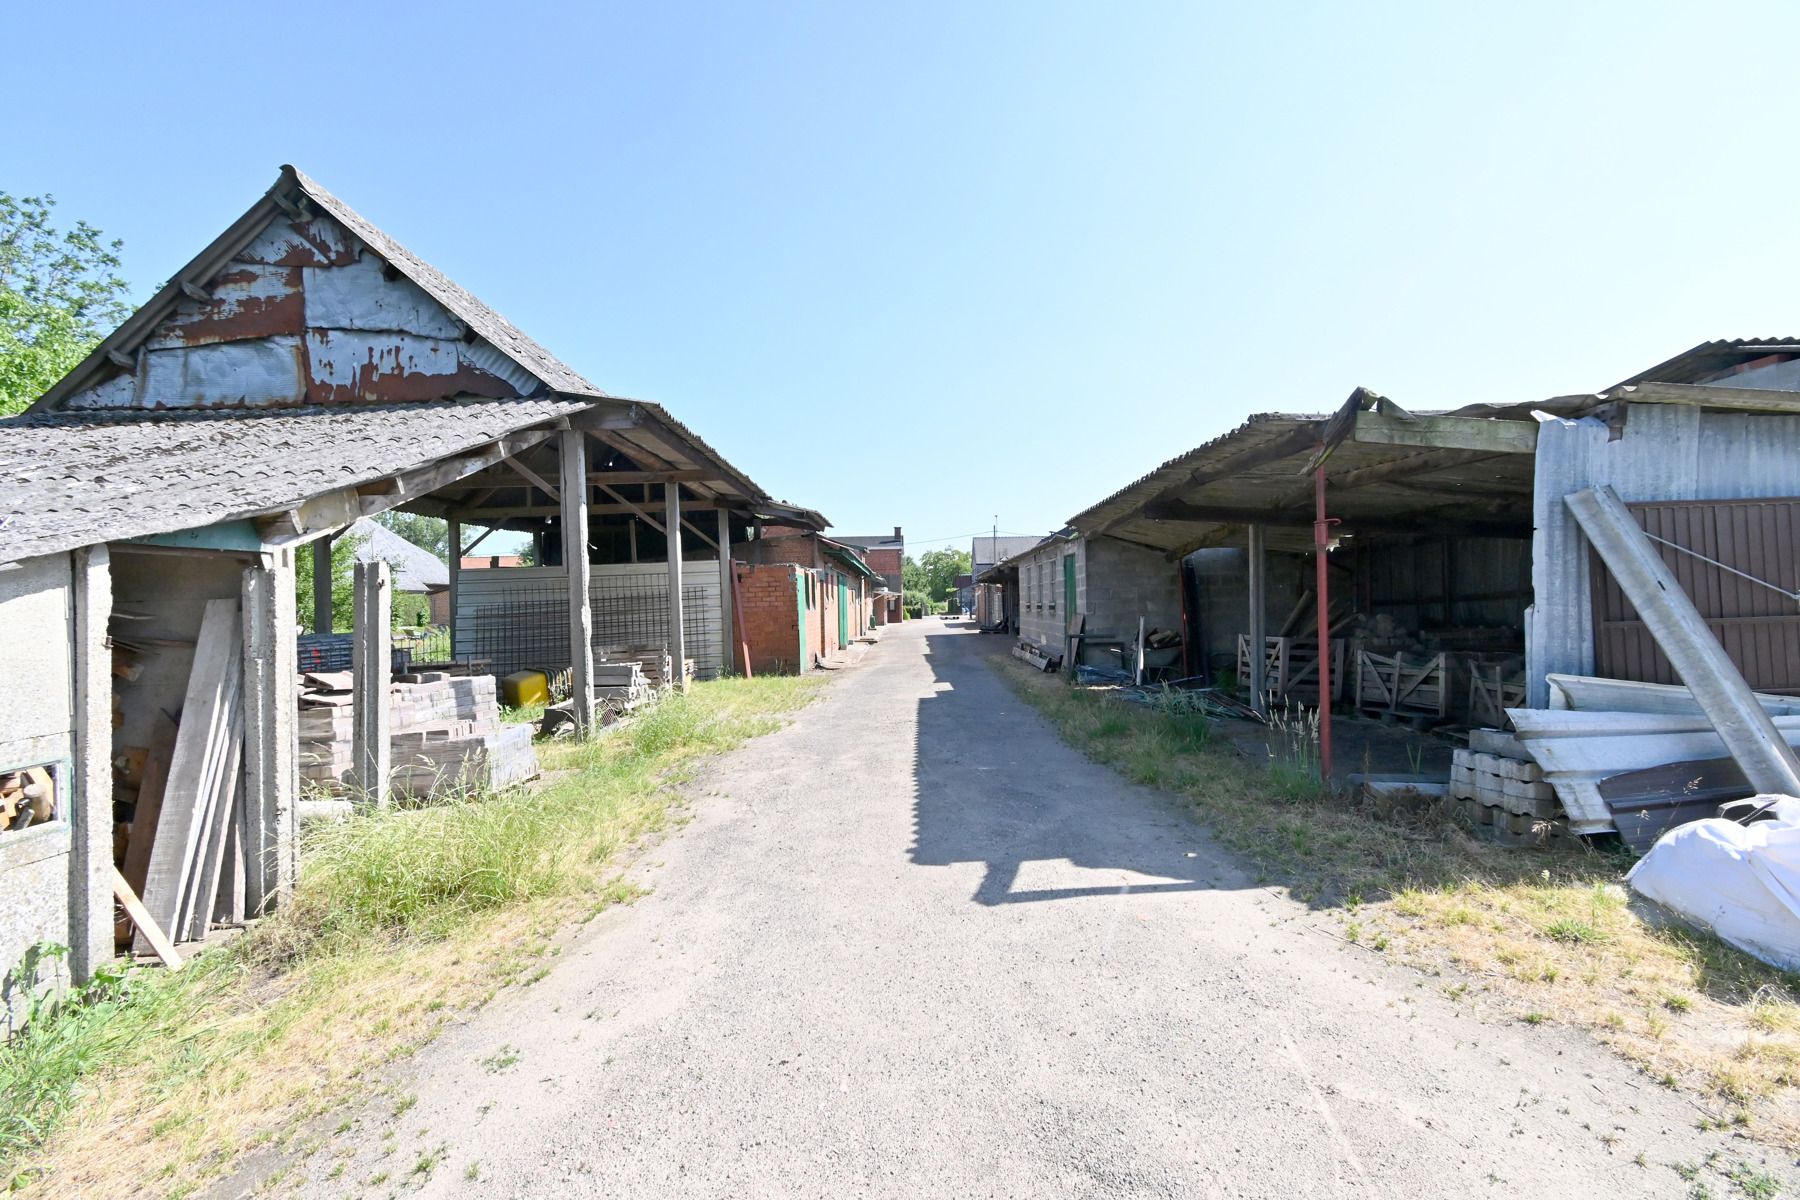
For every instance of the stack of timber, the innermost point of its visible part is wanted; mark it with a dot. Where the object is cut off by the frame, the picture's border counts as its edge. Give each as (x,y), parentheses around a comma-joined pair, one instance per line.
(1036,656)
(1494,784)
(622,686)
(654,661)
(445,734)
(27,798)
(184,850)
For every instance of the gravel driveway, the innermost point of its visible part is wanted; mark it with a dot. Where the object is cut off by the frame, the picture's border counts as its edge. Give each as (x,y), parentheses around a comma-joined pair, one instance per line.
(912,945)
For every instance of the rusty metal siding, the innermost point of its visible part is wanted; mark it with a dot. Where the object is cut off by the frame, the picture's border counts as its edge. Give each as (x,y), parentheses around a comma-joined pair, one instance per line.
(1758,626)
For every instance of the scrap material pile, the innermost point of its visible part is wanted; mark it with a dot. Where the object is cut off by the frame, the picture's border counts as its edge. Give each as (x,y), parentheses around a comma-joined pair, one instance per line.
(27,798)
(446,735)
(654,661)
(622,686)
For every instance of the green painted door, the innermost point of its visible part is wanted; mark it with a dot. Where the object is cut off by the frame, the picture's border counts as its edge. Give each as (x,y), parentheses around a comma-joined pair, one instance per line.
(843,611)
(800,621)
(1068,588)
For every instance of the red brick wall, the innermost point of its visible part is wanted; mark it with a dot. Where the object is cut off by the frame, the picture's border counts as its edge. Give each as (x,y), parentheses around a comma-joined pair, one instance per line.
(771,618)
(884,562)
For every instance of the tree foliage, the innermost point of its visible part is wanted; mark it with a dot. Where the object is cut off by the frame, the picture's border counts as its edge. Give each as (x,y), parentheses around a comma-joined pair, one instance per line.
(940,569)
(343,583)
(428,533)
(60,293)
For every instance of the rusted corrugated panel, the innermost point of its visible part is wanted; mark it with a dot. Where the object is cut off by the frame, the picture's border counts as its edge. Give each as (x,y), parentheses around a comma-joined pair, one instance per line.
(248,300)
(321,242)
(354,367)
(360,296)
(1758,626)
(265,371)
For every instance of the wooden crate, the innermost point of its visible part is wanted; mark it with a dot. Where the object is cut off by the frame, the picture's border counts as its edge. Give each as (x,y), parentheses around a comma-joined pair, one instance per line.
(1493,690)
(1390,684)
(1291,665)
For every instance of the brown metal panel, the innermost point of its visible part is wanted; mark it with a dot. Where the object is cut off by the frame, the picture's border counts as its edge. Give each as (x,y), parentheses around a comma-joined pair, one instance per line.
(1758,626)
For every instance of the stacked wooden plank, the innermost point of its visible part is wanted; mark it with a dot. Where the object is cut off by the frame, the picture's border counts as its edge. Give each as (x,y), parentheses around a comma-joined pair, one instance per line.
(446,736)
(1494,784)
(189,842)
(27,798)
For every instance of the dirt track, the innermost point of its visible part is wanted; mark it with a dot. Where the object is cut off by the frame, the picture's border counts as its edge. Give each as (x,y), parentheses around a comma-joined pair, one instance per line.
(914,945)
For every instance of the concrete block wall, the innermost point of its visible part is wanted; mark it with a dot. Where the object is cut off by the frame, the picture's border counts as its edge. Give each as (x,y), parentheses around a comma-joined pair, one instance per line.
(1125,582)
(1043,615)
(771,610)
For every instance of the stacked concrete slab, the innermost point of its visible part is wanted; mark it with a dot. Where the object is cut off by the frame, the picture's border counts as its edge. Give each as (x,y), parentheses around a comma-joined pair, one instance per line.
(446,736)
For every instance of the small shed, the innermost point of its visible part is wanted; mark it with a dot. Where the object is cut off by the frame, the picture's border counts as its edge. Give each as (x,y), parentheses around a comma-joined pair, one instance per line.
(302,373)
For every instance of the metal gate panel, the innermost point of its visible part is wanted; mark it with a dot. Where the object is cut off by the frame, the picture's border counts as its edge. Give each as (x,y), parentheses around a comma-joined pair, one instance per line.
(1758,626)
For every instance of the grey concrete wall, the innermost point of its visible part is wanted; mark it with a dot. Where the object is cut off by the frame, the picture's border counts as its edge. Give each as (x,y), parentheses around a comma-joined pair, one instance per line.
(1125,582)
(37,727)
(1043,616)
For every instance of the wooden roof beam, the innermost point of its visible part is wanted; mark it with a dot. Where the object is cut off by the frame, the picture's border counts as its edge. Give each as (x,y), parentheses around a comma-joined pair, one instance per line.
(1484,434)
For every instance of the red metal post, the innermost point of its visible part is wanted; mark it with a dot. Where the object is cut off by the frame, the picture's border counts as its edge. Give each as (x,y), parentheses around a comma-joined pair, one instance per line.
(1321,546)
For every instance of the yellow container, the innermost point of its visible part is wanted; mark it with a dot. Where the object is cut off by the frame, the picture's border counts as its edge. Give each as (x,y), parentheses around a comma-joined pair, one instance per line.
(522,689)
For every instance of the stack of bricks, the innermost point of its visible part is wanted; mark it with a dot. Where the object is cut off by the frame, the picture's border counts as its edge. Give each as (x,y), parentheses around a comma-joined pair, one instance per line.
(445,736)
(769,595)
(1495,785)
(652,661)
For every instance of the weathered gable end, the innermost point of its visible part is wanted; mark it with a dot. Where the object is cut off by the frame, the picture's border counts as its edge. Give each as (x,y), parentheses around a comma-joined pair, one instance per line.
(305,314)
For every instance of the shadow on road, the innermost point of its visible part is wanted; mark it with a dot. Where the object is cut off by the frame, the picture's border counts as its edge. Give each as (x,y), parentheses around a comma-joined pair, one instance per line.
(996,785)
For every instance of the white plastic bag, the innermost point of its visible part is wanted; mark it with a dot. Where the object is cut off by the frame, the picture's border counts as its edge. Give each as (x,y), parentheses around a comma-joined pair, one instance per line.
(1740,881)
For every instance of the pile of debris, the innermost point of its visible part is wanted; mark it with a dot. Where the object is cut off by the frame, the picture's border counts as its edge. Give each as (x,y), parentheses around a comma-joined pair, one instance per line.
(622,686)
(445,732)
(654,661)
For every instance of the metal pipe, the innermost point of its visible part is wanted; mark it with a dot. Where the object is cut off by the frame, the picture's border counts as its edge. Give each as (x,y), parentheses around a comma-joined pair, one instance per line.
(1322,584)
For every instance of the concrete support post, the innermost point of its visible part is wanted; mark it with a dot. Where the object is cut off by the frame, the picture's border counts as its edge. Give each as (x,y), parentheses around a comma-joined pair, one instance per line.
(631,530)
(727,582)
(321,598)
(371,740)
(677,618)
(575,563)
(1259,610)
(455,548)
(1743,724)
(271,712)
(88,802)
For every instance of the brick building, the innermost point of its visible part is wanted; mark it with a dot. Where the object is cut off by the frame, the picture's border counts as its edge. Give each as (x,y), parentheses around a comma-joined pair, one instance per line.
(887,557)
(804,597)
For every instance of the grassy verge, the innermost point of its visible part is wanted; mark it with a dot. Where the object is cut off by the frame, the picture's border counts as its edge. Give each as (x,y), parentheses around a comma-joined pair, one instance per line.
(402,920)
(1550,935)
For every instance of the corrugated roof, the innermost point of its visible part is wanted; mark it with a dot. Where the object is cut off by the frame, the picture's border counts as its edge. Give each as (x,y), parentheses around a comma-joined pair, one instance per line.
(78,479)
(1709,360)
(416,569)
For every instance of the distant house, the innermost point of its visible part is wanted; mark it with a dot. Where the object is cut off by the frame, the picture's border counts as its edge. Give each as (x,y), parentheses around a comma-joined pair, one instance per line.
(805,596)
(417,571)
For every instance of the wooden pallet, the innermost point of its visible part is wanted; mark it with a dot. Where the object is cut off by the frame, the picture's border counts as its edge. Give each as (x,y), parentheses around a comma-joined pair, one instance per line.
(1492,691)
(1389,684)
(1290,663)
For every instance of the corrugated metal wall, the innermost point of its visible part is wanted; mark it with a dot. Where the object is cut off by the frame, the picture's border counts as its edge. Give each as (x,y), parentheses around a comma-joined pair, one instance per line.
(1758,626)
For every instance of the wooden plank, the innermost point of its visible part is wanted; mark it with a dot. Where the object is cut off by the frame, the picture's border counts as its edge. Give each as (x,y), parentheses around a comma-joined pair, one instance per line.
(228,790)
(146,924)
(149,801)
(217,654)
(1448,433)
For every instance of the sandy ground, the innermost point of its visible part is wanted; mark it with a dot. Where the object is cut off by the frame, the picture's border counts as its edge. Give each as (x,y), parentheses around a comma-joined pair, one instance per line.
(913,945)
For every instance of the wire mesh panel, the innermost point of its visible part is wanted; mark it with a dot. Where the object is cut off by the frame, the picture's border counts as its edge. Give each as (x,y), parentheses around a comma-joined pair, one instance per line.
(518,619)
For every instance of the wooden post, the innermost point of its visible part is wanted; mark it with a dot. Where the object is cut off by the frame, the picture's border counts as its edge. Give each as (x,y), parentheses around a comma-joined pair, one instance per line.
(455,576)
(727,586)
(271,711)
(321,597)
(1259,609)
(575,563)
(631,532)
(372,664)
(1322,585)
(677,618)
(87,803)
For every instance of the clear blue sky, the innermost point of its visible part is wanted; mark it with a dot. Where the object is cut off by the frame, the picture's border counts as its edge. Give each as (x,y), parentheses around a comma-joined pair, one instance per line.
(919,264)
